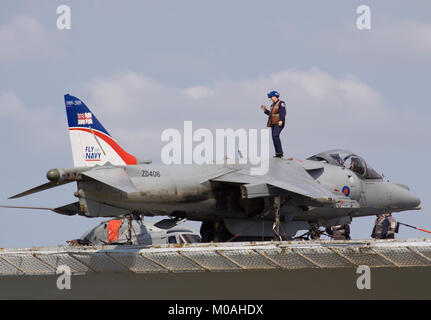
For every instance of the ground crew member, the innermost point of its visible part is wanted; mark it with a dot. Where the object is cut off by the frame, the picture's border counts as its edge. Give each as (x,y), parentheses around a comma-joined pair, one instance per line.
(385,227)
(276,120)
(378,227)
(389,226)
(340,232)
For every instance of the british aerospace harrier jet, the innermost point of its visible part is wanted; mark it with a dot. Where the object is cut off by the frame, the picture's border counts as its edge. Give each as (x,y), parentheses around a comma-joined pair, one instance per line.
(327,189)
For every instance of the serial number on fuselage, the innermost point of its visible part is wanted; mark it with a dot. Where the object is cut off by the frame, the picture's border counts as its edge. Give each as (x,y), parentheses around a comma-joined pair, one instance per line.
(150,173)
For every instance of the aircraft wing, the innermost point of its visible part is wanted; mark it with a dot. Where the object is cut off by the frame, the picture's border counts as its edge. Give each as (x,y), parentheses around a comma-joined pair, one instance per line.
(285,175)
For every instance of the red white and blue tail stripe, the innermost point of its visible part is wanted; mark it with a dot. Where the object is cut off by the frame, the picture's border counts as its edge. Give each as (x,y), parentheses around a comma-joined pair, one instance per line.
(91,143)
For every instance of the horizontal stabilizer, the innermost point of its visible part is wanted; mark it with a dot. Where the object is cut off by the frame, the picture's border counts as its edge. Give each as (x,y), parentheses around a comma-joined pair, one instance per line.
(69,209)
(113,176)
(46,186)
(23,207)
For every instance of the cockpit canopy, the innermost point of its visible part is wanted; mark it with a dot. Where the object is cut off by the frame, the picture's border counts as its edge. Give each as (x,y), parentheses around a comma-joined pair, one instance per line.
(344,158)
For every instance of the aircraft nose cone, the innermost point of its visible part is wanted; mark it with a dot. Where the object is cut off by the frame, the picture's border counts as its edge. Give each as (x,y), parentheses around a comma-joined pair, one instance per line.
(403,198)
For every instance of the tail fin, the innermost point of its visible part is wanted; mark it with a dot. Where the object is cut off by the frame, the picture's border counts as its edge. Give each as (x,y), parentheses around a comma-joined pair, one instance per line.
(91,143)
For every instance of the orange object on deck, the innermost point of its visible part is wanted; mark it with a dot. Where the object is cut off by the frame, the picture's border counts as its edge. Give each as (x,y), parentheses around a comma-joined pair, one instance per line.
(113,230)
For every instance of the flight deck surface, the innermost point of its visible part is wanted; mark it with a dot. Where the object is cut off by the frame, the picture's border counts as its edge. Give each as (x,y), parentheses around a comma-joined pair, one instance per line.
(238,270)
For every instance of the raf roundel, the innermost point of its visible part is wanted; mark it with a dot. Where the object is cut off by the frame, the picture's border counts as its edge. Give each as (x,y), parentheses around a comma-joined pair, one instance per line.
(346,191)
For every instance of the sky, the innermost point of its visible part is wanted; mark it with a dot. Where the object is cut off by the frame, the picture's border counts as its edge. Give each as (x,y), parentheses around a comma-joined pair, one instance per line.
(145,66)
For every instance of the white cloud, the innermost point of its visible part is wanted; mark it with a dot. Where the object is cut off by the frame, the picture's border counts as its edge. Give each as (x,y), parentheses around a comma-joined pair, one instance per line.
(323,111)
(24,38)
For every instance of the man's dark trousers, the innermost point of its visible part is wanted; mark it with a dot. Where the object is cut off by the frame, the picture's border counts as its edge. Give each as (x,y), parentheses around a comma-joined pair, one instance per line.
(276,130)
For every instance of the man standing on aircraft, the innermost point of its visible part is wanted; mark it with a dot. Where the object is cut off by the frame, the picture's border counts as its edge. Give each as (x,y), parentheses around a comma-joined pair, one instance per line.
(276,120)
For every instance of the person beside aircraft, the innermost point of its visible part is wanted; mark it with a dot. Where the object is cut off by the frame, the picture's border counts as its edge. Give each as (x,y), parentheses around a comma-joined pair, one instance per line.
(276,120)
(389,226)
(378,226)
(384,227)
